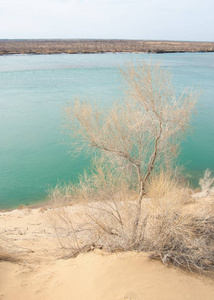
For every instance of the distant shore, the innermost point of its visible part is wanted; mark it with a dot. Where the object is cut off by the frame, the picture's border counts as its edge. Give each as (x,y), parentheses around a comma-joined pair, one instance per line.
(100,46)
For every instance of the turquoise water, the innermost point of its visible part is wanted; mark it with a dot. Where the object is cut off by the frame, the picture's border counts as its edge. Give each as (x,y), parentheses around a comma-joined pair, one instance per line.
(34,90)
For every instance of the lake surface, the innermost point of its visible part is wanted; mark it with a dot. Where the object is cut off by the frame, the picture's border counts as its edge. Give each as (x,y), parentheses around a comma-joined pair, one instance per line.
(35,89)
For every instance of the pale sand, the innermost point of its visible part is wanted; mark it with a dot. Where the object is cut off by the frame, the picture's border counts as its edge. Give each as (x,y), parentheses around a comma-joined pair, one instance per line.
(96,275)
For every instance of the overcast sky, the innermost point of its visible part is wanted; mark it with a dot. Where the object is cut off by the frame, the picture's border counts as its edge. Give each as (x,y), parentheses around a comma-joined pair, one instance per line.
(117,19)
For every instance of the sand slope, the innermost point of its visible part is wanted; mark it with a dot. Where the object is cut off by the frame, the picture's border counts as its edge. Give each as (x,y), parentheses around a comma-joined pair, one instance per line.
(96,275)
(102,277)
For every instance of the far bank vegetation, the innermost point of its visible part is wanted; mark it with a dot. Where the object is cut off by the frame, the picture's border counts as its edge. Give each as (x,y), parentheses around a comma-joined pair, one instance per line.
(135,198)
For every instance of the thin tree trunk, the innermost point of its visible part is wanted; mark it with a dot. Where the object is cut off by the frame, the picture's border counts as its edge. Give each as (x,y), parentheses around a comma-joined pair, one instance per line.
(142,187)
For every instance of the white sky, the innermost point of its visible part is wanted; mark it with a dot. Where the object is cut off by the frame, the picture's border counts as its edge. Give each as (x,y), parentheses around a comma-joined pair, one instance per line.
(117,19)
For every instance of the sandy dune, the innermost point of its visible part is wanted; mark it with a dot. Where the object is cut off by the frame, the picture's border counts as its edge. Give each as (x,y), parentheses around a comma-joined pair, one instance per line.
(40,274)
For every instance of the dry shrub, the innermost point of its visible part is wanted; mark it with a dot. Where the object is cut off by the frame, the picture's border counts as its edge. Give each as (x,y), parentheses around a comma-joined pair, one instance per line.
(175,235)
(101,185)
(60,195)
(182,239)
(166,185)
(164,229)
(105,224)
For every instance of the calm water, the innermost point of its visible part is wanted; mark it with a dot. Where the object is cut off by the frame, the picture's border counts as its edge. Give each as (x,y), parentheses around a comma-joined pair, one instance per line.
(34,91)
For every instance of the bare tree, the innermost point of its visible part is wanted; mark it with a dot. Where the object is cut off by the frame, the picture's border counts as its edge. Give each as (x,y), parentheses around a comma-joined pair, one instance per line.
(142,131)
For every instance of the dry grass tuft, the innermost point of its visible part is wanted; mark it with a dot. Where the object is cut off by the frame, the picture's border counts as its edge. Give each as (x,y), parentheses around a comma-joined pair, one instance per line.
(166,186)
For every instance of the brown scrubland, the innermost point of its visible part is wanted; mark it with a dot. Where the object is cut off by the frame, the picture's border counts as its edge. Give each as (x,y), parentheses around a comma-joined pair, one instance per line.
(100,46)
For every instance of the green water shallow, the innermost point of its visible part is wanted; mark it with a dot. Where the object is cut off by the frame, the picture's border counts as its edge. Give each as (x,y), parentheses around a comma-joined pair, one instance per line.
(35,89)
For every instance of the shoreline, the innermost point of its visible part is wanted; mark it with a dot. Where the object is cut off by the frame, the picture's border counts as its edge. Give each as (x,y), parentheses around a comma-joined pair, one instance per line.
(33,205)
(36,47)
(107,52)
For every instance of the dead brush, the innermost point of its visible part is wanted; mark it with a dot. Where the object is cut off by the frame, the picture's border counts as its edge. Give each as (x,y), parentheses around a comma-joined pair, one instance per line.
(104,215)
(166,185)
(174,235)
(168,232)
(184,241)
(100,224)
